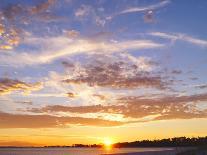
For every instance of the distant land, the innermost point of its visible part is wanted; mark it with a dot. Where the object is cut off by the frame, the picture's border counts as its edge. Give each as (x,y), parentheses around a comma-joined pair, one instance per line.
(168,142)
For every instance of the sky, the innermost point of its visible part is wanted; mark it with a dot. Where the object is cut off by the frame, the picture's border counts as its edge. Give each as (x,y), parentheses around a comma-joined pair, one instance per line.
(82,71)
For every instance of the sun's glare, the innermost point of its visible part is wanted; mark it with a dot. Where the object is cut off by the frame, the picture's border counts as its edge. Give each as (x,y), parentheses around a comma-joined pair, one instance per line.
(108,143)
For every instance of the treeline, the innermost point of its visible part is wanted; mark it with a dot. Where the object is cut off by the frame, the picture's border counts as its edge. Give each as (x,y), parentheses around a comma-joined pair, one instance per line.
(74,145)
(169,142)
(82,145)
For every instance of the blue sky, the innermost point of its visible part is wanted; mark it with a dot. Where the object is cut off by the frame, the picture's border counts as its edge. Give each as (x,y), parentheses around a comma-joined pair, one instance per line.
(63,58)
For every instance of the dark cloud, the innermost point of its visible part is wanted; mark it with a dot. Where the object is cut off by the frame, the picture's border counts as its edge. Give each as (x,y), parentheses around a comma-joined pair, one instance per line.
(115,74)
(9,85)
(149,17)
(203,86)
(25,102)
(8,120)
(80,109)
(113,81)
(71,95)
(193,78)
(67,64)
(102,97)
(176,72)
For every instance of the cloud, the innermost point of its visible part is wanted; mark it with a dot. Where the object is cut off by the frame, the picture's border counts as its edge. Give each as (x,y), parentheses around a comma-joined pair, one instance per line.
(140,109)
(16,16)
(72,33)
(202,86)
(101,78)
(168,107)
(147,8)
(81,94)
(125,71)
(8,38)
(91,14)
(149,17)
(42,7)
(182,37)
(24,102)
(79,109)
(100,21)
(142,9)
(8,120)
(176,71)
(71,95)
(9,85)
(83,11)
(60,47)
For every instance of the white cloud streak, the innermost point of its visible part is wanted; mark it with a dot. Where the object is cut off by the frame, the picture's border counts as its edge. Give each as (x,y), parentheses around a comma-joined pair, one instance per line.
(141,9)
(182,37)
(60,47)
(146,8)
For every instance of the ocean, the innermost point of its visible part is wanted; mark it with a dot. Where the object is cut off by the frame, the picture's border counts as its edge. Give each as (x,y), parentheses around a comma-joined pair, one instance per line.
(75,151)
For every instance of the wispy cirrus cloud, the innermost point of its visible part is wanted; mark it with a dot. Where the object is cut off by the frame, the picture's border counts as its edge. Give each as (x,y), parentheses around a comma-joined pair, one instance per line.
(182,37)
(146,8)
(60,47)
(142,9)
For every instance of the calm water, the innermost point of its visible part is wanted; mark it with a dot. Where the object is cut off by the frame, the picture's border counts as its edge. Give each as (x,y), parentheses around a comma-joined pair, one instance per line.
(73,151)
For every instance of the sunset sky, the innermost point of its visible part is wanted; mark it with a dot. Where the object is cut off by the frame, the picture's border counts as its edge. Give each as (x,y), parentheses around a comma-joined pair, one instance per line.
(83,71)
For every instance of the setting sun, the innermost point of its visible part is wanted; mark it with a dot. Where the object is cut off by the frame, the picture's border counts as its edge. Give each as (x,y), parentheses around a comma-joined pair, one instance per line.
(108,142)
